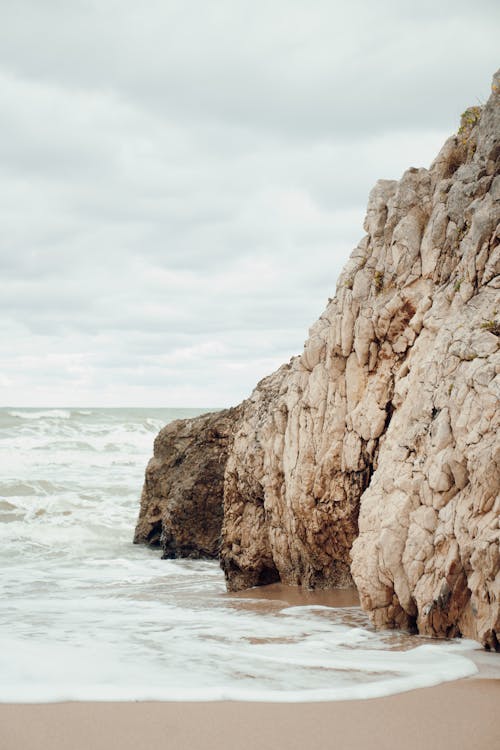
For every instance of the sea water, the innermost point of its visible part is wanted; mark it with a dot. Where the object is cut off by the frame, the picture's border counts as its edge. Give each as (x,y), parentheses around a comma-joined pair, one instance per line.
(86,615)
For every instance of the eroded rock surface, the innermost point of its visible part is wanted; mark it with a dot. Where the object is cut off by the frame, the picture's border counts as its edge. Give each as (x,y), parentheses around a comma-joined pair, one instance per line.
(181,503)
(247,554)
(375,455)
(428,551)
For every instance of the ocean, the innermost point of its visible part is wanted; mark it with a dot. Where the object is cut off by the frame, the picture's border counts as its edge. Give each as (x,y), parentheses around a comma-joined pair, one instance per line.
(87,615)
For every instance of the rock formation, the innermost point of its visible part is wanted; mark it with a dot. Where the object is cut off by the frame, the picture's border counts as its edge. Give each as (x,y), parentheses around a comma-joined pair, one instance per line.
(181,508)
(375,455)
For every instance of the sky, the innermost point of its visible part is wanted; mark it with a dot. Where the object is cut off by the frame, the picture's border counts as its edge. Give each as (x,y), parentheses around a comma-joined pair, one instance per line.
(181,182)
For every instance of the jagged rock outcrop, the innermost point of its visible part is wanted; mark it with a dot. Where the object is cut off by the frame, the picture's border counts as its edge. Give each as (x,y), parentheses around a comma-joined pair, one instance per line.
(375,455)
(247,554)
(181,503)
(428,551)
(183,494)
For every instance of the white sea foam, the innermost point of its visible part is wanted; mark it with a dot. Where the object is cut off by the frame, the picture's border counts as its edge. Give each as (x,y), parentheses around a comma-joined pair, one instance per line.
(86,615)
(43,414)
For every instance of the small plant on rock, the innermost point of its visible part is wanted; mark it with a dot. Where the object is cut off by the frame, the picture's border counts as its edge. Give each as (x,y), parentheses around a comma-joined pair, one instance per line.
(493,326)
(378,280)
(468,121)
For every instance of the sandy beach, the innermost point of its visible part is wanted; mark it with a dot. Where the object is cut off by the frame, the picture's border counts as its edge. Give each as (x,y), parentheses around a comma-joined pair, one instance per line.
(462,715)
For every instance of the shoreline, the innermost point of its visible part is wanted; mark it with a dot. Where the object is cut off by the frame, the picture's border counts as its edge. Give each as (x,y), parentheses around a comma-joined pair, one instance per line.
(292,596)
(461,714)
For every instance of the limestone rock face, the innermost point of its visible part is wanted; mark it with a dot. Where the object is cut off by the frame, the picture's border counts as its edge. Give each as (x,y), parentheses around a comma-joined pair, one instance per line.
(247,554)
(375,455)
(428,550)
(181,503)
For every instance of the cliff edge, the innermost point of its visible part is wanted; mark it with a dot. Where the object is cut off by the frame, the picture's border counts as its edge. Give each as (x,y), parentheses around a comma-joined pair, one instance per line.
(374,457)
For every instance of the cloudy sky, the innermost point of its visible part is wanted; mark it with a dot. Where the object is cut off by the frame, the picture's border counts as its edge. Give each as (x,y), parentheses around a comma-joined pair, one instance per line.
(181,181)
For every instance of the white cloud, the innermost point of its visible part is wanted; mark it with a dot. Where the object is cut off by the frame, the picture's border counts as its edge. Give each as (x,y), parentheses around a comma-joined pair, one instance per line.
(181,182)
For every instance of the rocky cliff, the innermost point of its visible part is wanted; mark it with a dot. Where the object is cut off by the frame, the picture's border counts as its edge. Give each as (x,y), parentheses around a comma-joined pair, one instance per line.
(374,457)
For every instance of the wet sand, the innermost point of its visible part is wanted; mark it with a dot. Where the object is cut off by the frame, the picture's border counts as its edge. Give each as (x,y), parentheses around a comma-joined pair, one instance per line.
(296,596)
(462,715)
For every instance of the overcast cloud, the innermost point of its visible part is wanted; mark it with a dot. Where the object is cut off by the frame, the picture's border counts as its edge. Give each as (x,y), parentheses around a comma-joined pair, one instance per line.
(181,182)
